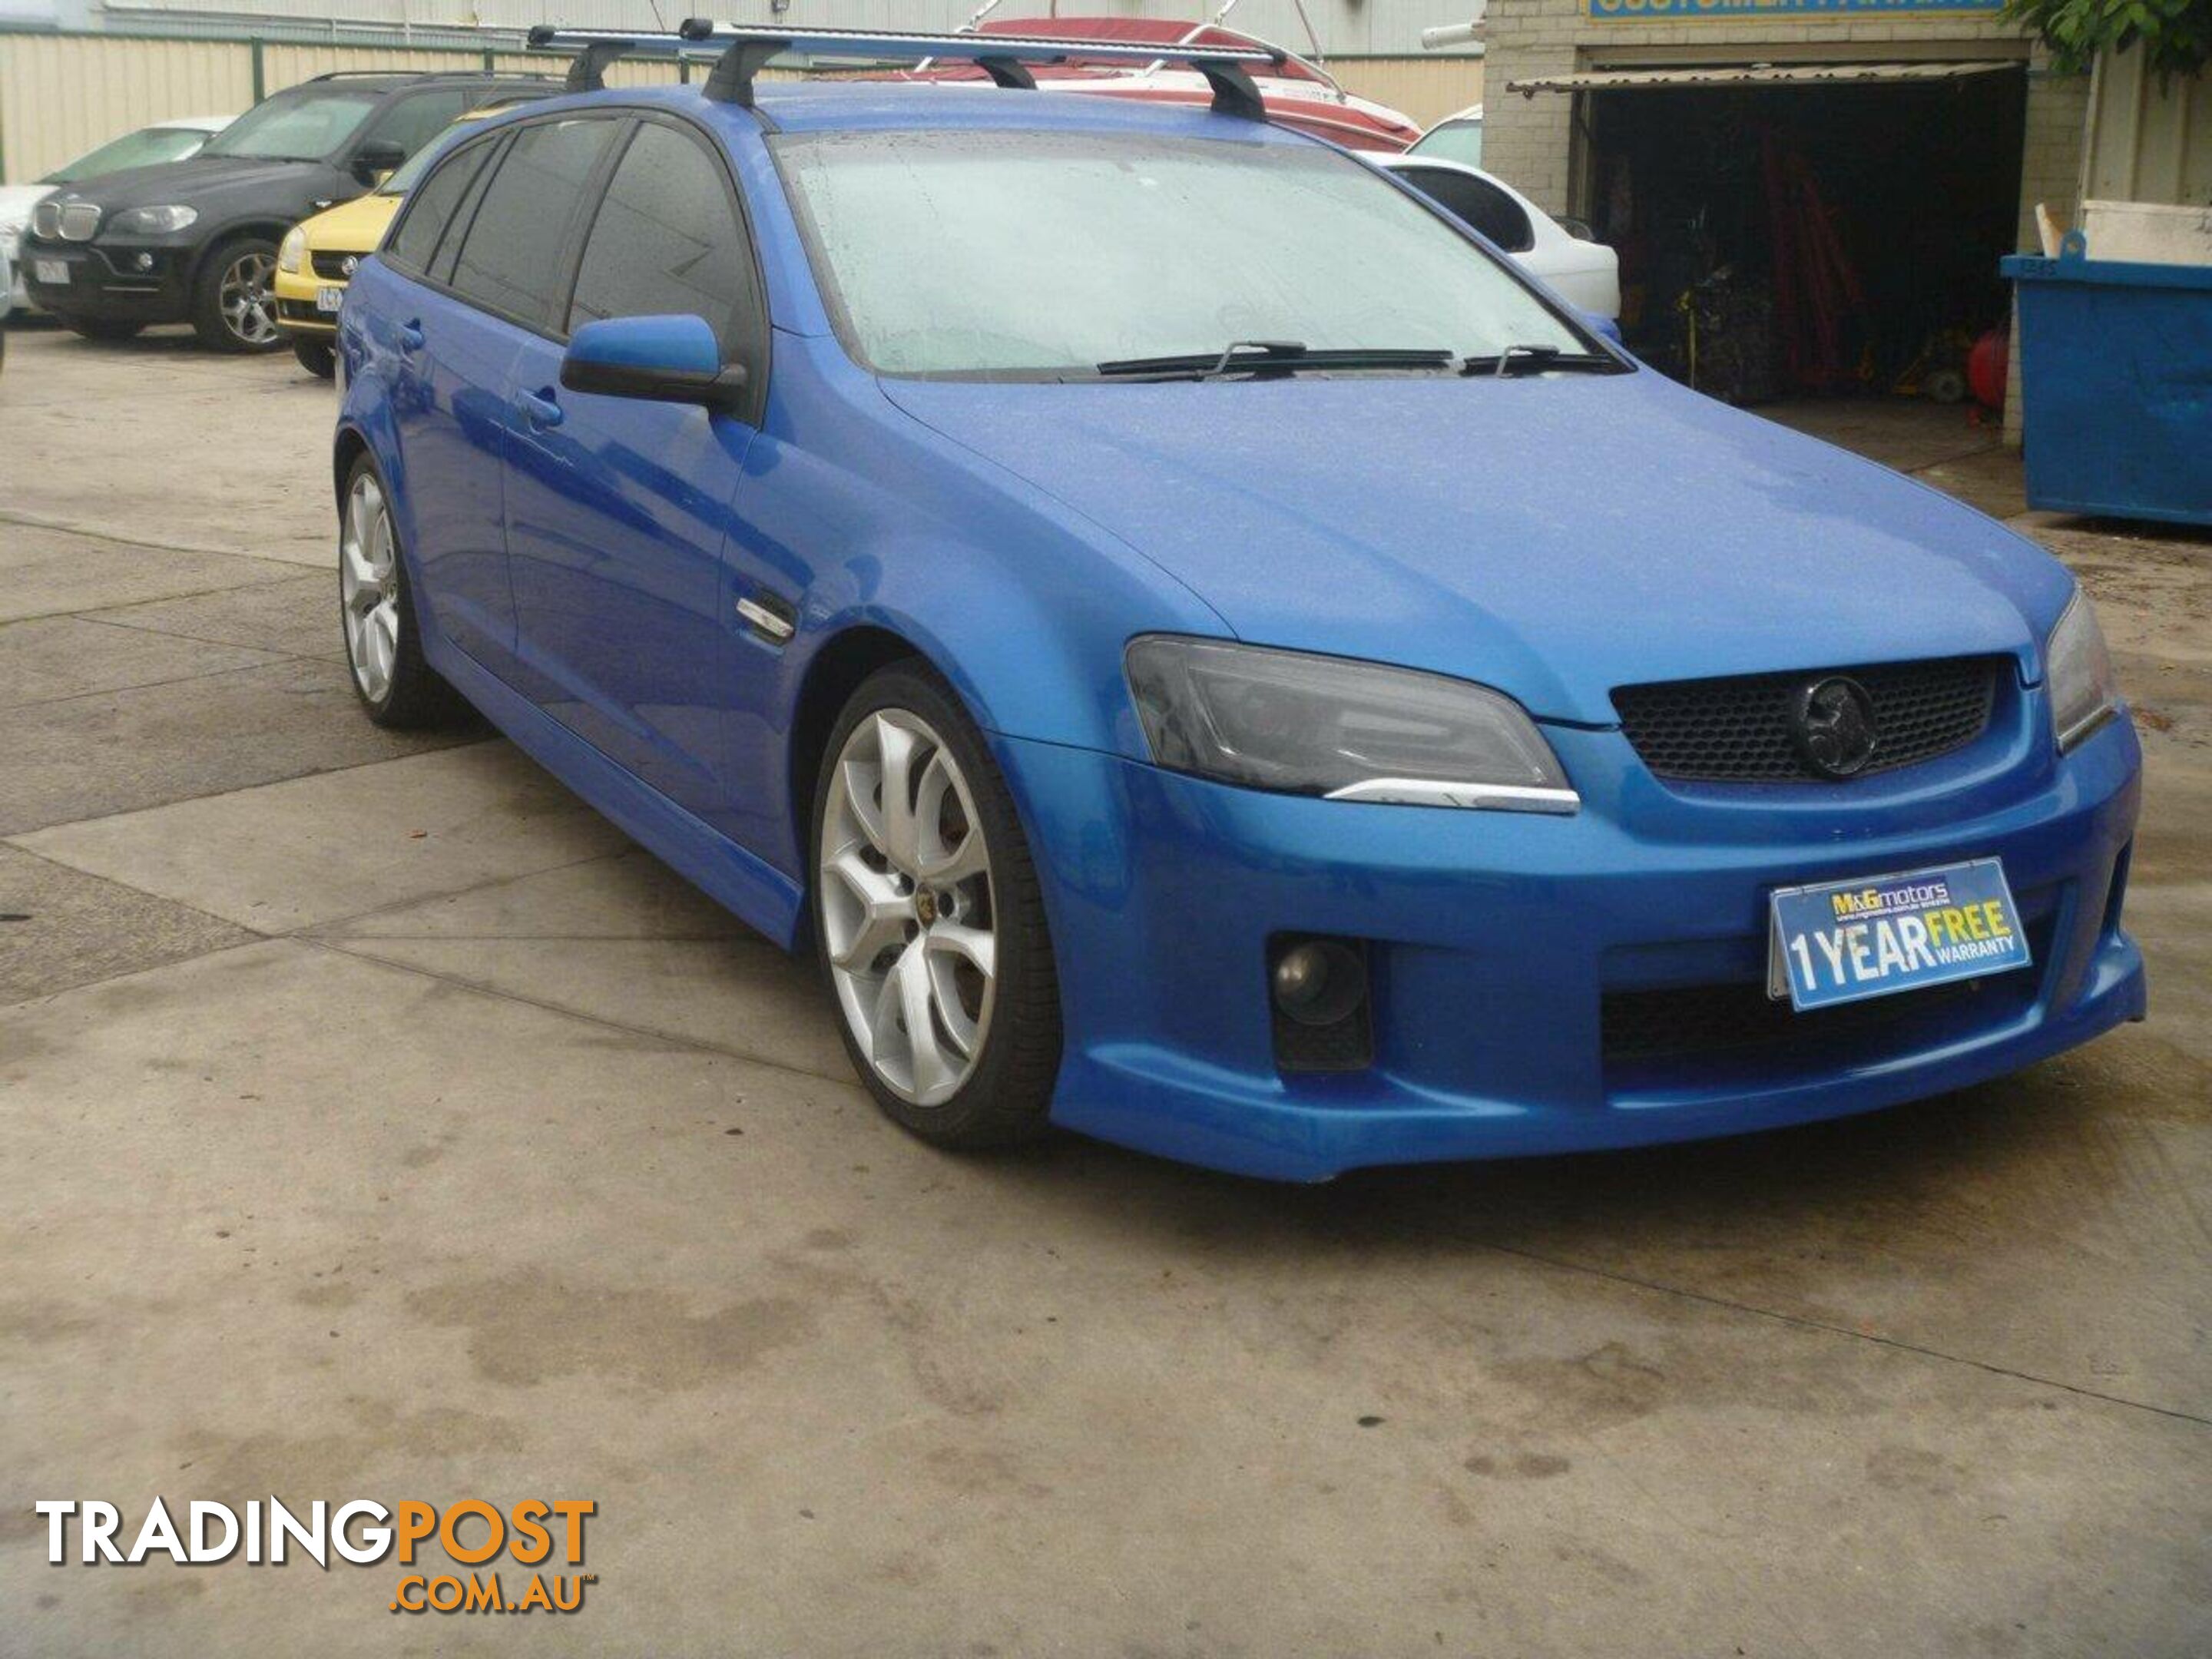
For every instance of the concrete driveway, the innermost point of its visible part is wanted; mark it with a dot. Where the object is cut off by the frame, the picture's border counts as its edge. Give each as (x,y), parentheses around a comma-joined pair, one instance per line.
(379,1123)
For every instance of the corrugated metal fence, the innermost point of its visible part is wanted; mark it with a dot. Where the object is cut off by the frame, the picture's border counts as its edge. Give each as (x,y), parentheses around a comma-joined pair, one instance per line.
(2149,141)
(60,94)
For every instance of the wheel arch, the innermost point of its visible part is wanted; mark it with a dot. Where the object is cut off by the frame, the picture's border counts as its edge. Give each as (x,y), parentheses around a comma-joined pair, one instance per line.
(839,668)
(273,230)
(351,445)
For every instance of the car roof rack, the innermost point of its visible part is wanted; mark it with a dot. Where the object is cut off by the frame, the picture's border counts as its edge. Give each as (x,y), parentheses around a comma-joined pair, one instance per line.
(746,49)
(427,75)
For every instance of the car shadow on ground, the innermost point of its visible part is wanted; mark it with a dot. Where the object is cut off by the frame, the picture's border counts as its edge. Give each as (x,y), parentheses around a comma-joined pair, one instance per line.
(1996,1158)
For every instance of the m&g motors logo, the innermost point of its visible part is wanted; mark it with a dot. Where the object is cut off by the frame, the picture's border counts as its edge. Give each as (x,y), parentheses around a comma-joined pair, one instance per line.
(472,1532)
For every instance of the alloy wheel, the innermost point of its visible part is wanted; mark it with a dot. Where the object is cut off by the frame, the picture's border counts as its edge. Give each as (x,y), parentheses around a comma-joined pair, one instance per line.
(907,915)
(248,312)
(368,588)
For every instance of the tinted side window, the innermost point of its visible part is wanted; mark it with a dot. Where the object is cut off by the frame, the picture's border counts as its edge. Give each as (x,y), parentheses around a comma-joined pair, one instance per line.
(511,261)
(430,207)
(1476,201)
(412,122)
(668,240)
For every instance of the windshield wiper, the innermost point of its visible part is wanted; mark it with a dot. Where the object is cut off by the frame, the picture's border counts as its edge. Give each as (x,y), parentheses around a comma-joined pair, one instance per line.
(1540,360)
(1270,357)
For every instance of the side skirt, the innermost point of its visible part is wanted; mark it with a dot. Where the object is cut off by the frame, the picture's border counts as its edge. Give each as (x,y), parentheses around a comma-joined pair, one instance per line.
(751,888)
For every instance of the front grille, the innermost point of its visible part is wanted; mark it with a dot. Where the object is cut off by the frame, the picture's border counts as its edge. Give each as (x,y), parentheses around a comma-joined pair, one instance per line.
(67,222)
(1739,729)
(331,266)
(1705,1019)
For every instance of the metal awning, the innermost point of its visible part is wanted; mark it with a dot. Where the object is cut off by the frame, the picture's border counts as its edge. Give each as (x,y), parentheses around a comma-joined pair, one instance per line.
(1759,75)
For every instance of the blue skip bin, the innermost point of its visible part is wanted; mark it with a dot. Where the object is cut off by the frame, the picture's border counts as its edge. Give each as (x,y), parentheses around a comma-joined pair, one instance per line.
(1844,941)
(2116,362)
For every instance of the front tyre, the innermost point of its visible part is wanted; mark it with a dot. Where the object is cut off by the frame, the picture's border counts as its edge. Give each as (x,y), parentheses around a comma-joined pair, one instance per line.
(317,357)
(929,921)
(376,614)
(232,306)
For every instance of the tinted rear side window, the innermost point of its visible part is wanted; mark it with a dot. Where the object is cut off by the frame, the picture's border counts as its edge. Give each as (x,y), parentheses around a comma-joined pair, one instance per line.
(412,122)
(511,261)
(431,207)
(668,240)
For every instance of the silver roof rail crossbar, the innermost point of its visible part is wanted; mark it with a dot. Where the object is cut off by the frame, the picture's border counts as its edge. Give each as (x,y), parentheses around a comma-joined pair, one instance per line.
(596,48)
(1004,58)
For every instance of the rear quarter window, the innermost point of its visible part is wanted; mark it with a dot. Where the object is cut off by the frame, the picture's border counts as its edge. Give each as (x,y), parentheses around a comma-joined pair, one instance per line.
(429,210)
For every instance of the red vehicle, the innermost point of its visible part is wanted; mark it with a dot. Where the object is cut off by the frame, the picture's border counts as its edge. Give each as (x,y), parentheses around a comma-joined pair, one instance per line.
(1298,94)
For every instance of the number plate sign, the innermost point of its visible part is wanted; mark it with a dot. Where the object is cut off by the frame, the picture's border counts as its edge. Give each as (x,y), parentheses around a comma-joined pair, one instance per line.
(1847,940)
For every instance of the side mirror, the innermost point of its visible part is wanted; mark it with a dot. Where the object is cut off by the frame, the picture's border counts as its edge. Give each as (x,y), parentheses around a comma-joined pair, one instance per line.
(674,360)
(376,158)
(1608,327)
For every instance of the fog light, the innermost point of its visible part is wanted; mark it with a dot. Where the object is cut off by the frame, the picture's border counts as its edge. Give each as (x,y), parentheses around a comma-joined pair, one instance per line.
(1318,982)
(144,262)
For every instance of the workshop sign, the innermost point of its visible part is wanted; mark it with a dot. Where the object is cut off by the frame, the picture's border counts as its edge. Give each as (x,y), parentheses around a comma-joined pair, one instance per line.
(1675,11)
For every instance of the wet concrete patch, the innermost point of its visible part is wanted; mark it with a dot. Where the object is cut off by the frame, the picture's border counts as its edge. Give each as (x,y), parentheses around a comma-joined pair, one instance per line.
(60,927)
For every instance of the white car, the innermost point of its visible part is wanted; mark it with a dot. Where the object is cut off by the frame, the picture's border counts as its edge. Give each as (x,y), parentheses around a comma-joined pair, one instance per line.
(1583,272)
(1455,138)
(164,140)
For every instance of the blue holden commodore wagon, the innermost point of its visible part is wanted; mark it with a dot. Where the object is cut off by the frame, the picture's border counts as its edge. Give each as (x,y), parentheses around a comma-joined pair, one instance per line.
(1205,651)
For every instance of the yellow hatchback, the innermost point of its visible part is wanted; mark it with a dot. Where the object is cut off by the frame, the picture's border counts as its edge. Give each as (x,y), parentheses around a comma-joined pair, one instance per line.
(319,255)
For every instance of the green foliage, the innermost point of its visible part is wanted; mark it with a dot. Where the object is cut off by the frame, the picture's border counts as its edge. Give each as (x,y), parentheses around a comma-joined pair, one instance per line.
(2175,35)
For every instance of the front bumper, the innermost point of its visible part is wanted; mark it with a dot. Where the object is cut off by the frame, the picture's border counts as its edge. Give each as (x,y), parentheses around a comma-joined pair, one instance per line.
(297,316)
(1503,947)
(119,282)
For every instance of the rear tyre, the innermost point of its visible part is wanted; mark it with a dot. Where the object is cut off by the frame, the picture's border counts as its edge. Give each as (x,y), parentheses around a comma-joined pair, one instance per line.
(376,614)
(233,309)
(928,920)
(101,328)
(317,358)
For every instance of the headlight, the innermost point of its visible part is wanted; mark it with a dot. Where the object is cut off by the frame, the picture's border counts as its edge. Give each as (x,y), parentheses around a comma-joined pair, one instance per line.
(2084,690)
(1351,730)
(151,221)
(293,251)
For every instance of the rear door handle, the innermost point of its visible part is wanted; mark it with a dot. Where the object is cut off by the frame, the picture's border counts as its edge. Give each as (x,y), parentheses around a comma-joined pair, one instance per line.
(539,410)
(410,335)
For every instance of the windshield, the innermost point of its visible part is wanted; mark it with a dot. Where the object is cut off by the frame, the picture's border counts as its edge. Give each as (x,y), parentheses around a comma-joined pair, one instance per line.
(295,126)
(1454,141)
(142,148)
(1029,254)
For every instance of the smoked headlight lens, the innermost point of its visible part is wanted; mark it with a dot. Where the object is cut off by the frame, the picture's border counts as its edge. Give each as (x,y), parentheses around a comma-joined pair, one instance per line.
(152,220)
(2084,690)
(1351,730)
(294,251)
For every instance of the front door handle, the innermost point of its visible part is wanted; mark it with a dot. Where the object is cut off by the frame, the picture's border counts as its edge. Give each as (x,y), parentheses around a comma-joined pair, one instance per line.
(410,335)
(539,410)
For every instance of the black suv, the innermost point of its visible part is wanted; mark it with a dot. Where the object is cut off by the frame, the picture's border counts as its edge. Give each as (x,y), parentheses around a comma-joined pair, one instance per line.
(195,241)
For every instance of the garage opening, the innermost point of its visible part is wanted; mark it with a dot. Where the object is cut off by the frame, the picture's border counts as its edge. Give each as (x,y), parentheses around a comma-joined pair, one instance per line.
(1810,229)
